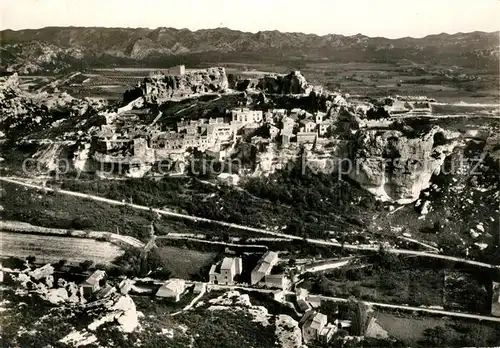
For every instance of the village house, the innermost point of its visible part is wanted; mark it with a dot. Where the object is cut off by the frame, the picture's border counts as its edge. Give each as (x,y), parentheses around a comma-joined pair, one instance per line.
(295,113)
(326,333)
(93,283)
(314,300)
(286,139)
(312,325)
(306,137)
(323,128)
(172,289)
(303,305)
(190,127)
(273,131)
(319,117)
(276,281)
(199,287)
(106,291)
(225,272)
(307,126)
(245,116)
(175,70)
(278,295)
(287,125)
(264,267)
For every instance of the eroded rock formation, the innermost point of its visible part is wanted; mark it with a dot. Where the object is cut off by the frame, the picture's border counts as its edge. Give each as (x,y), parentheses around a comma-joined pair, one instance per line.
(160,88)
(292,83)
(395,166)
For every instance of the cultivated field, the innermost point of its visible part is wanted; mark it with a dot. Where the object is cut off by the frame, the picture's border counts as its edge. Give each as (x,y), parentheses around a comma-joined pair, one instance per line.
(53,249)
(407,329)
(185,263)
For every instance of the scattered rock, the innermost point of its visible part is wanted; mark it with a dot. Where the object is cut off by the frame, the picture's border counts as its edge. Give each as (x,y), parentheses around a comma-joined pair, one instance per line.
(474,234)
(42,272)
(481,246)
(57,296)
(425,208)
(77,339)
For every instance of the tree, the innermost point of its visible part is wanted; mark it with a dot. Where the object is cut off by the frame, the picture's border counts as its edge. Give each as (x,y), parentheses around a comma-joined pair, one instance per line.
(85,265)
(61,263)
(438,336)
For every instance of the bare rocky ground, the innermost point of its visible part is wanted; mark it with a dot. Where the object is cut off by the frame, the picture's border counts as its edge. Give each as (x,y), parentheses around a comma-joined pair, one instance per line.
(35,310)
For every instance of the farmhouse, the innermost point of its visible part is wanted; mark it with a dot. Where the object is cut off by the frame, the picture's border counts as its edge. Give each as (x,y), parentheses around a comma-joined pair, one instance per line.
(93,283)
(226,271)
(264,266)
(276,281)
(173,289)
(312,325)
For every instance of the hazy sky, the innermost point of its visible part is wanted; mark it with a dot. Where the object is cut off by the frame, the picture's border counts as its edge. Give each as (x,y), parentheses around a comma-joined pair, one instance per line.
(389,18)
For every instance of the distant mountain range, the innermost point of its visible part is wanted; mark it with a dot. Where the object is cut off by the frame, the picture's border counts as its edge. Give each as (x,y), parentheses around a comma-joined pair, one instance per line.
(60,48)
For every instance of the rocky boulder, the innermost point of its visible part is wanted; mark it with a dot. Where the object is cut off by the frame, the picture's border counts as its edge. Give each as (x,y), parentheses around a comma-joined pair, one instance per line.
(42,272)
(396,166)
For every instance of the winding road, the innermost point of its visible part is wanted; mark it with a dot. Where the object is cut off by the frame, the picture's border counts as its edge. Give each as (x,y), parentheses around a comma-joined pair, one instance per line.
(417,309)
(17,181)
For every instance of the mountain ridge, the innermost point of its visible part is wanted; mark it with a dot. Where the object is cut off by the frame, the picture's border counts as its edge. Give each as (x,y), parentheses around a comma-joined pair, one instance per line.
(497,32)
(132,45)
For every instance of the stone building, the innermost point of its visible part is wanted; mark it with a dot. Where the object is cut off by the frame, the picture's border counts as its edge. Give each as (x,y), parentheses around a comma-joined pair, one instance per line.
(176,70)
(93,283)
(307,126)
(276,281)
(172,289)
(312,325)
(306,137)
(245,116)
(263,267)
(225,272)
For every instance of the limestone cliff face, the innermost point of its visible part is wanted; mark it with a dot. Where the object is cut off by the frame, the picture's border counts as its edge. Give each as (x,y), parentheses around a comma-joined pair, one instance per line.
(292,83)
(160,88)
(396,167)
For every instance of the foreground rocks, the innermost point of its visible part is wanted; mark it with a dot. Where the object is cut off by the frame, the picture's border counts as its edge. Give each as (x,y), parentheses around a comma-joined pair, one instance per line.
(116,308)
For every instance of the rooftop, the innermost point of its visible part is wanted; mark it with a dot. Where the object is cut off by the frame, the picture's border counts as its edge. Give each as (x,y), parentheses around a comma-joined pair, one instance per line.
(318,320)
(227,263)
(94,278)
(172,285)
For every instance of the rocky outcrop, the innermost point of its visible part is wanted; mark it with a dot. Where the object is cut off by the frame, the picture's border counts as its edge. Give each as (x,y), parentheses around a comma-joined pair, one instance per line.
(160,88)
(24,113)
(235,301)
(292,83)
(288,332)
(120,309)
(395,166)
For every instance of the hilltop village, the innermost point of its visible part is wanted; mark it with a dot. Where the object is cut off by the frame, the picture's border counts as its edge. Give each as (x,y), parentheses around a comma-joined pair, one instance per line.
(279,134)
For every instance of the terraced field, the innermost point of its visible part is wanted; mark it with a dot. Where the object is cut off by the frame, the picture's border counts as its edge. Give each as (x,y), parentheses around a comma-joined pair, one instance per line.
(53,249)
